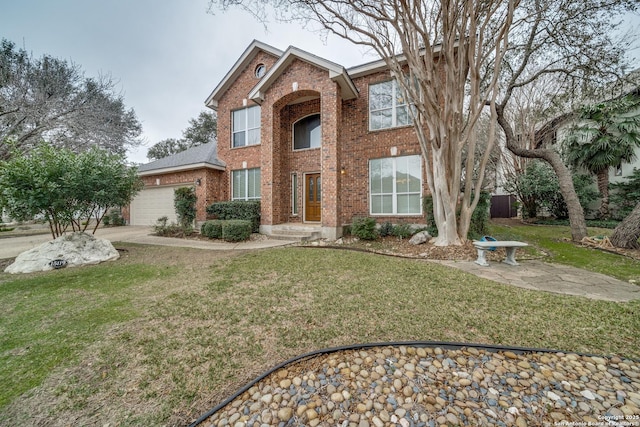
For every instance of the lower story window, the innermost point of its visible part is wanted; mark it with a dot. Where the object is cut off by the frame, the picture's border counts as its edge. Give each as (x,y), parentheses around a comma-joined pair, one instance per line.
(395,186)
(245,184)
(294,194)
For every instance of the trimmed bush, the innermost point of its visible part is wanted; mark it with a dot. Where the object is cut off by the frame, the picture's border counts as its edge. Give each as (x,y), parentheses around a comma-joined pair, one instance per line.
(235,230)
(237,209)
(364,228)
(212,229)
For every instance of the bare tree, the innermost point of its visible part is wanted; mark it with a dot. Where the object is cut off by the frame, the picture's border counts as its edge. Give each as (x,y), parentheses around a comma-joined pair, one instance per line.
(454,58)
(50,99)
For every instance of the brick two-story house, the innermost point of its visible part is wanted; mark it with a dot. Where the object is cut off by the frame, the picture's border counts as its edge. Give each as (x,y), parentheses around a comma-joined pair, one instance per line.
(317,143)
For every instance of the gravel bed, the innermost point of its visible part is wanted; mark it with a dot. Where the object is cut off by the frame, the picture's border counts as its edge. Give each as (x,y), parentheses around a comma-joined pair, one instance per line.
(416,386)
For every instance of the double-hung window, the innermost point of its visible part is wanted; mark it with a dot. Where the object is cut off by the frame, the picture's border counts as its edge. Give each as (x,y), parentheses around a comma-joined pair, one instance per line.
(388,107)
(245,184)
(246,126)
(395,185)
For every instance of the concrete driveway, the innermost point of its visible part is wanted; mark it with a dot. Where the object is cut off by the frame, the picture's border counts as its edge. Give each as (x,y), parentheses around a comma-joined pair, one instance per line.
(11,247)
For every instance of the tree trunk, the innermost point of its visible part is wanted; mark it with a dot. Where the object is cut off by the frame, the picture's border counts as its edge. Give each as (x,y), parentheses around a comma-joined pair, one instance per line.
(627,233)
(576,213)
(603,188)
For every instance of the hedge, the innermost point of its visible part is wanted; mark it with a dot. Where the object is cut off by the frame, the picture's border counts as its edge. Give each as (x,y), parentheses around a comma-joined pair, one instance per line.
(231,230)
(235,230)
(212,229)
(237,209)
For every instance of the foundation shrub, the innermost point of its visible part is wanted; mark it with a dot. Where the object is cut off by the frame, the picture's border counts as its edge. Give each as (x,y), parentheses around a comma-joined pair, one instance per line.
(237,209)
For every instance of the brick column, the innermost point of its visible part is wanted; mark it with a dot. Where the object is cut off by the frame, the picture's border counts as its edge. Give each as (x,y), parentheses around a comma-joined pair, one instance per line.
(331,111)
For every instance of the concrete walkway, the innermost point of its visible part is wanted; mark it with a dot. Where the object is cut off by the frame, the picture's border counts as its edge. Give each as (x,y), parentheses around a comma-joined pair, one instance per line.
(556,278)
(13,246)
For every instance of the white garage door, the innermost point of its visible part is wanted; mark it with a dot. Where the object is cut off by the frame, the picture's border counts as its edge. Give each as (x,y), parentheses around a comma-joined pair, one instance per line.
(153,203)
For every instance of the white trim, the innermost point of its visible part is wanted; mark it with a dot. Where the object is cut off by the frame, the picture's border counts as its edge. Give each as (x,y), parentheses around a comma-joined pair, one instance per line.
(247,56)
(337,73)
(295,181)
(163,171)
(394,194)
(246,128)
(246,184)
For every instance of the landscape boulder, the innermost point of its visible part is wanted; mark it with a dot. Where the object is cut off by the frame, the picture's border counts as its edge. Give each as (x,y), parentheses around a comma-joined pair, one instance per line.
(69,250)
(420,238)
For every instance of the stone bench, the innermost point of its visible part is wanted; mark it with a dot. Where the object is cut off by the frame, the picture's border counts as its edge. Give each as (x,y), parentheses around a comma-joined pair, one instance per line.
(509,245)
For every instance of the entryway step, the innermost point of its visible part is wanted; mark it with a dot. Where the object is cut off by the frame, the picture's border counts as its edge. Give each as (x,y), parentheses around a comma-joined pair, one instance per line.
(299,232)
(294,236)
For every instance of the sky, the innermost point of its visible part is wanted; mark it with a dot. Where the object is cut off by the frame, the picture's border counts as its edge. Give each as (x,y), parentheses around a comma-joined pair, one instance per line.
(166,55)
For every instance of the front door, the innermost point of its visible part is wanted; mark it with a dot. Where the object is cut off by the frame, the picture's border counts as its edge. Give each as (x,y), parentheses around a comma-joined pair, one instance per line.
(313,195)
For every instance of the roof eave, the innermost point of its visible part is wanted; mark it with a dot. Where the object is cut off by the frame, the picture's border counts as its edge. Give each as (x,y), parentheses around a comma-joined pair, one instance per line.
(249,53)
(337,73)
(173,169)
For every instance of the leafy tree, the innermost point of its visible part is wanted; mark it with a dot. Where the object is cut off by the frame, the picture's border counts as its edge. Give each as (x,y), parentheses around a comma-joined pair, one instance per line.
(538,190)
(201,130)
(66,188)
(49,99)
(607,134)
(463,57)
(166,148)
(626,195)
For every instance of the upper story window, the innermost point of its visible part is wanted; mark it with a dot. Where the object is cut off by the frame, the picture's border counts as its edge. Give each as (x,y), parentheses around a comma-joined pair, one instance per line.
(260,70)
(246,126)
(306,132)
(387,106)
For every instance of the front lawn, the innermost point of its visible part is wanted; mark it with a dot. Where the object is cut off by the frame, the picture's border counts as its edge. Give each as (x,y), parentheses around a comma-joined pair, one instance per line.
(163,334)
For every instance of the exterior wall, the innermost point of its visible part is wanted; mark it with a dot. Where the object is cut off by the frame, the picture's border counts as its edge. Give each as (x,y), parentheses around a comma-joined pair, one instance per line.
(209,190)
(347,145)
(233,99)
(361,145)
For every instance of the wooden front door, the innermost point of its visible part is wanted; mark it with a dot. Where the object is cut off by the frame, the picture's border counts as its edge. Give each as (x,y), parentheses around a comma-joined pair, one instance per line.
(312,198)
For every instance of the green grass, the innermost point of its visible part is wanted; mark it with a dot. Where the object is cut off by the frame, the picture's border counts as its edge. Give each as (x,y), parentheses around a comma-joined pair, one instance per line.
(555,242)
(48,319)
(160,337)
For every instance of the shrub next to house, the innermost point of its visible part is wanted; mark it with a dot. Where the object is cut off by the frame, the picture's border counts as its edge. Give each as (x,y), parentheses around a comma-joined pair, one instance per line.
(237,209)
(232,230)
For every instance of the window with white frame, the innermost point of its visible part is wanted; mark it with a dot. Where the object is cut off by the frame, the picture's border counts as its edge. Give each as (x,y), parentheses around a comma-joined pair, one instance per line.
(388,107)
(294,194)
(306,132)
(245,184)
(395,186)
(246,127)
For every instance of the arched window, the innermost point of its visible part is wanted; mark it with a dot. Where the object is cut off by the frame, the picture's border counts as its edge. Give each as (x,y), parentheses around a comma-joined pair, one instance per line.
(306,133)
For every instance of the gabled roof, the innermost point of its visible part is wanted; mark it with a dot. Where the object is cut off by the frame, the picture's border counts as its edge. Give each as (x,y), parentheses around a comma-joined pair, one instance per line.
(201,156)
(337,73)
(247,56)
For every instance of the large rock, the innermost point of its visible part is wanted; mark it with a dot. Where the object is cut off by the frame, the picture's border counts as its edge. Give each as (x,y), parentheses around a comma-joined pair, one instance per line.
(420,238)
(70,250)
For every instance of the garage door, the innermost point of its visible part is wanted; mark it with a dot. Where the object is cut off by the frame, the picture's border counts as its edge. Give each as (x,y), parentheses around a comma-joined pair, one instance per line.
(153,203)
